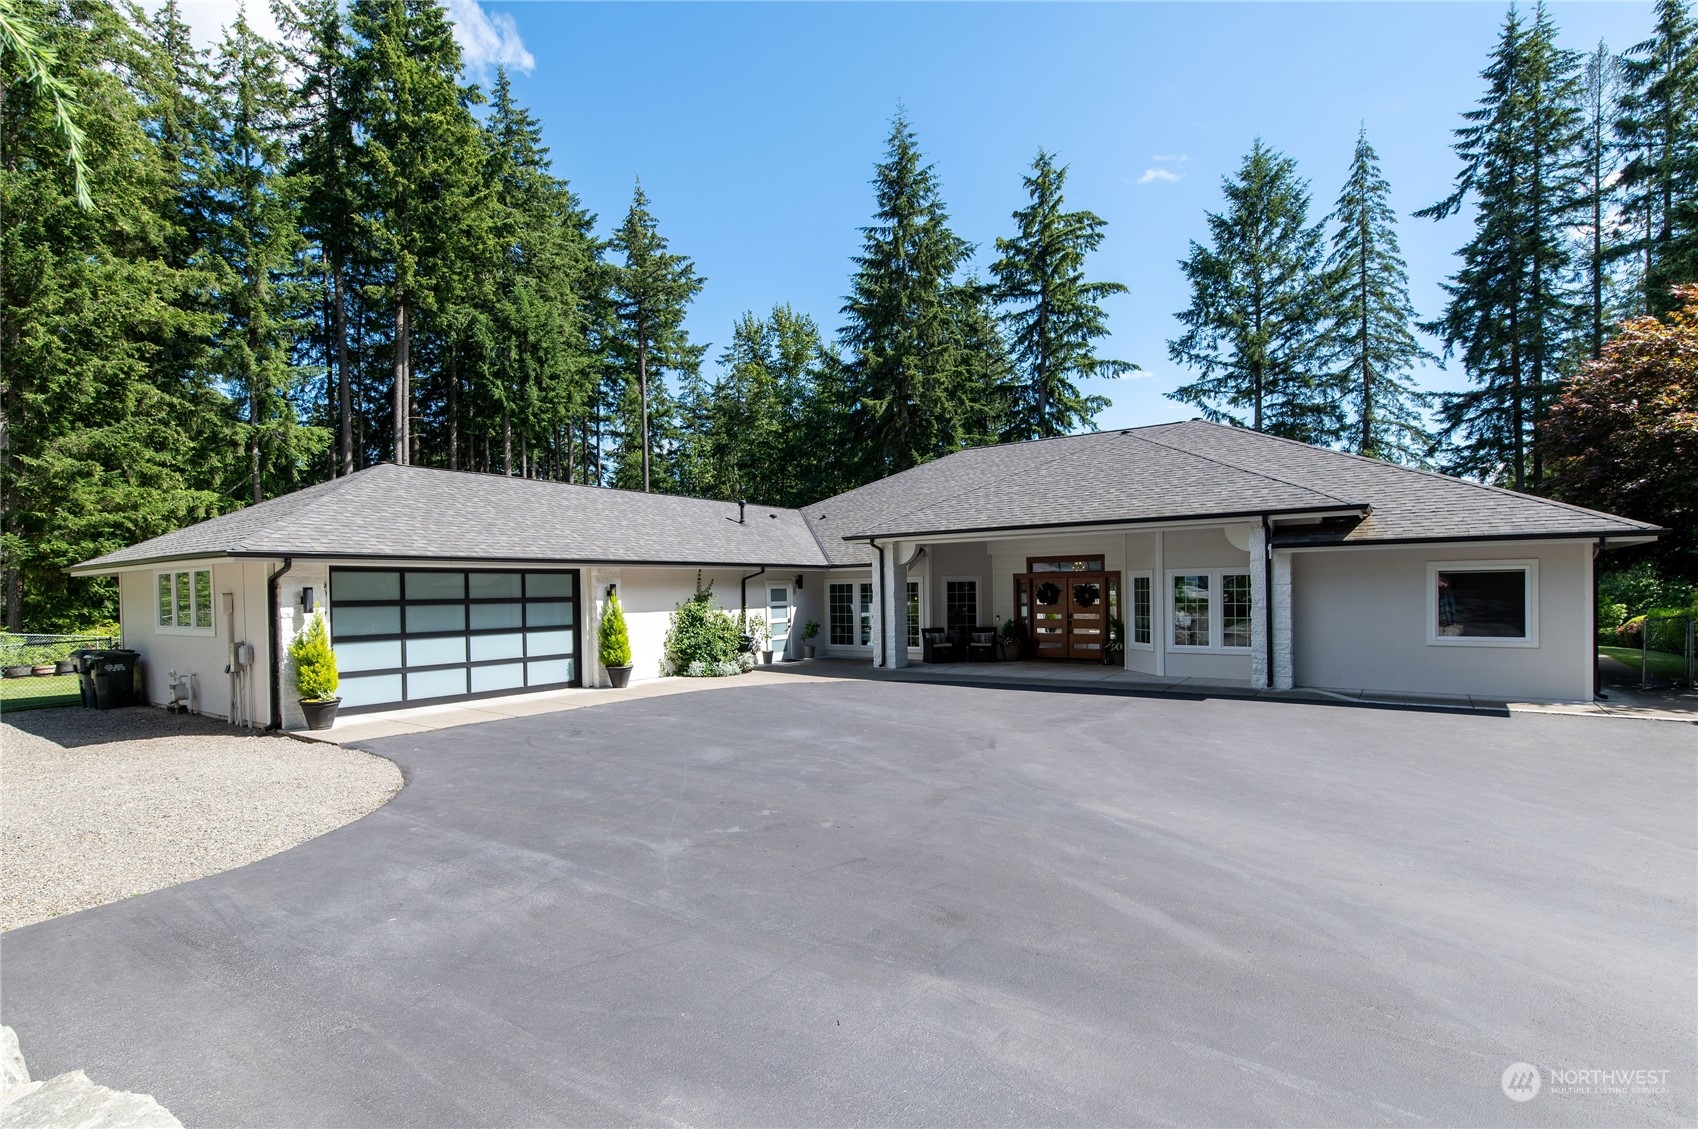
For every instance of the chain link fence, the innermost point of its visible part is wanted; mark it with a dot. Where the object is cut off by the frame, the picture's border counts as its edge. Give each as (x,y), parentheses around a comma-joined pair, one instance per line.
(25,654)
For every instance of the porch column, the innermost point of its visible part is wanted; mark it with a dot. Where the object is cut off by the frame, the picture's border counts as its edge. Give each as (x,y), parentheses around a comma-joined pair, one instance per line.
(1284,673)
(890,590)
(1259,608)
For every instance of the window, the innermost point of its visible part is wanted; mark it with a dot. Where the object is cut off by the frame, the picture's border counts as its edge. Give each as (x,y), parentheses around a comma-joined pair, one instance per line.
(1211,610)
(961,602)
(867,614)
(1064,564)
(185,601)
(913,613)
(1482,603)
(1140,635)
(840,615)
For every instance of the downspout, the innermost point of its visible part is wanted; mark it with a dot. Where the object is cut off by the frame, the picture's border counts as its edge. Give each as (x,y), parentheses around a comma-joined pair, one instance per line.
(1267,601)
(1597,664)
(878,652)
(743,593)
(271,649)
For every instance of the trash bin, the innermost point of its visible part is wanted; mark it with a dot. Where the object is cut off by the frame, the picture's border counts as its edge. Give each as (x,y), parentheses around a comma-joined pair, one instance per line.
(85,674)
(113,675)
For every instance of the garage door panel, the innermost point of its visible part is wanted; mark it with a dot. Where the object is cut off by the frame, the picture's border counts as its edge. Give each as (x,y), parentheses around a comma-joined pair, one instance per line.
(370,690)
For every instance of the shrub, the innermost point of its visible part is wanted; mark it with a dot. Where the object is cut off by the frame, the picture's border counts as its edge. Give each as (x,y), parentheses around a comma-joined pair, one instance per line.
(315,662)
(1610,619)
(1642,587)
(700,631)
(614,639)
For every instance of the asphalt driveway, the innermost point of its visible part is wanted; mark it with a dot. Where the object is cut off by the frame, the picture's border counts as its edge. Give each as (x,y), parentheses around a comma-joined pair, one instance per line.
(858,903)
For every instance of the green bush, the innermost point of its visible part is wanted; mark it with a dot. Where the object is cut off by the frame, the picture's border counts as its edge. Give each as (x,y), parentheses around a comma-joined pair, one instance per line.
(614,639)
(1641,587)
(1610,619)
(315,662)
(702,632)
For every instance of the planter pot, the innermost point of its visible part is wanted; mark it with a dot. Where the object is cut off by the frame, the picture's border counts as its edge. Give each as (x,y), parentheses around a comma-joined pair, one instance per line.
(43,670)
(745,644)
(22,670)
(620,675)
(320,715)
(66,666)
(766,657)
(807,650)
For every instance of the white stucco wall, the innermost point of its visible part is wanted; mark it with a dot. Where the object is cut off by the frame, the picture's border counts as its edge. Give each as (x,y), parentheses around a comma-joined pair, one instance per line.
(1359,623)
(203,656)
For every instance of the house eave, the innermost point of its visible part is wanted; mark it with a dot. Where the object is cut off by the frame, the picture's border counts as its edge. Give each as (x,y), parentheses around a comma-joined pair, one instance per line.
(1114,523)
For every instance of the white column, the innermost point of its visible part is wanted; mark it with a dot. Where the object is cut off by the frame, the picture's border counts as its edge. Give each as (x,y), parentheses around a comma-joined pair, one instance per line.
(1284,672)
(1159,630)
(891,592)
(1259,607)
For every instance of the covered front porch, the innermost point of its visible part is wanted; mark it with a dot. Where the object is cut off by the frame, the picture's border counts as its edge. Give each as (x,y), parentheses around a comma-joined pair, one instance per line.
(1164,605)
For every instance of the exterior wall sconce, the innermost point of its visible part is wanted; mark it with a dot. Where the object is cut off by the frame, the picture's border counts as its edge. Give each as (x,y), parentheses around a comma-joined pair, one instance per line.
(307,604)
(612,591)
(798,582)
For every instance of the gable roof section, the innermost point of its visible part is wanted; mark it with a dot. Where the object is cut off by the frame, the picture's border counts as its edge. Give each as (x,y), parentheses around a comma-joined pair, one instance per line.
(423,513)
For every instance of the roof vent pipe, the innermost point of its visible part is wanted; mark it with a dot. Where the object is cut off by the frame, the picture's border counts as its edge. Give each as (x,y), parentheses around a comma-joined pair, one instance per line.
(741,505)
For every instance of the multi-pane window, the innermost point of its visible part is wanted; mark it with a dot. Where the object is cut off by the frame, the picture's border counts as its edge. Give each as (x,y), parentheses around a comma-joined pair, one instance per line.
(185,600)
(961,603)
(867,614)
(1235,609)
(1192,603)
(913,613)
(1141,611)
(840,615)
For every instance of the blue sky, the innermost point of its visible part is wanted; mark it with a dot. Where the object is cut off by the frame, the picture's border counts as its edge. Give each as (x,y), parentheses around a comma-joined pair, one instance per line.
(755,128)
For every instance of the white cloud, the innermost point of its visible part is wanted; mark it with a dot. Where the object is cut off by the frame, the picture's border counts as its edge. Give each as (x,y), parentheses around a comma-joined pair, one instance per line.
(1152,175)
(207,19)
(488,41)
(1171,158)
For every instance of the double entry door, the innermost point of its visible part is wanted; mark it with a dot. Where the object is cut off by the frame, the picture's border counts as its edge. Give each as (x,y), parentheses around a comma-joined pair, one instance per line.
(1066,613)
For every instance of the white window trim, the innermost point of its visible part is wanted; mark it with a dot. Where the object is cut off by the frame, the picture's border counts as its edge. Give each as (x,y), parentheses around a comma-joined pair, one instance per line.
(1127,606)
(1216,611)
(978,598)
(854,586)
(1530,594)
(173,573)
(919,648)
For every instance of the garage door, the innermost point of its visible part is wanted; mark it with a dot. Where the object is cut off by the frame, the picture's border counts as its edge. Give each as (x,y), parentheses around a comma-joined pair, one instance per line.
(408,636)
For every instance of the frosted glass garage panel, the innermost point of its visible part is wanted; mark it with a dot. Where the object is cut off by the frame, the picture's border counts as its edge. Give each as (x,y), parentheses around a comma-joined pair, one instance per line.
(548,613)
(345,621)
(548,584)
(436,652)
(494,585)
(365,586)
(509,676)
(422,618)
(487,617)
(435,683)
(369,690)
(436,586)
(487,647)
(372,654)
(545,673)
(548,642)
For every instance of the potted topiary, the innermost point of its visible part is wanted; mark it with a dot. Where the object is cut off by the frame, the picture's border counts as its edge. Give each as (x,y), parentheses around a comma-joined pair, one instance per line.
(315,673)
(615,642)
(809,630)
(762,635)
(1114,651)
(1013,640)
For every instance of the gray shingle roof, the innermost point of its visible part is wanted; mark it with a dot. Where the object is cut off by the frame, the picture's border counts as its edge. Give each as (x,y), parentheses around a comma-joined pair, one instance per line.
(424,513)
(1167,471)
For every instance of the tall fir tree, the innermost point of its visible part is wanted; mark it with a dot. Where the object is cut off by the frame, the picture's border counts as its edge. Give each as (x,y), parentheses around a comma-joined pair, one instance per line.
(1512,312)
(1052,315)
(1371,319)
(652,292)
(904,368)
(1658,128)
(1258,308)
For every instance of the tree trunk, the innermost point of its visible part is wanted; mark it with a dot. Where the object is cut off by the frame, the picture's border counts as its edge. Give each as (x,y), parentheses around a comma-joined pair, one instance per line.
(345,394)
(643,393)
(403,394)
(506,442)
(453,410)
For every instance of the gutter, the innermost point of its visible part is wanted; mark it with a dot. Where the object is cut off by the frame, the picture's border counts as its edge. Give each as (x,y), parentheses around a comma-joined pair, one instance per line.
(743,592)
(271,649)
(1597,662)
(1267,601)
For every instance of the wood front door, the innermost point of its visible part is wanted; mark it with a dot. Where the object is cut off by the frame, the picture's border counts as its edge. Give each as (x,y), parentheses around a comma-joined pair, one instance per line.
(1067,613)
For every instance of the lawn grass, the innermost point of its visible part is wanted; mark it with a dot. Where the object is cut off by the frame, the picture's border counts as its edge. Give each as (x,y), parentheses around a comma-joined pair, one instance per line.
(36,693)
(1663,665)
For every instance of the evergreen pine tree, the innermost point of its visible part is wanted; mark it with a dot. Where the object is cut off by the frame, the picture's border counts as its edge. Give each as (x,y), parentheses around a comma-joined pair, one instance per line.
(1371,318)
(652,292)
(1512,313)
(1658,128)
(1258,306)
(1052,315)
(1599,164)
(902,371)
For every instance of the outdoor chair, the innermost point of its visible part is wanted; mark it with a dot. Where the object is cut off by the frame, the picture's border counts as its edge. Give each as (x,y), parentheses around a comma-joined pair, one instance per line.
(938,646)
(981,644)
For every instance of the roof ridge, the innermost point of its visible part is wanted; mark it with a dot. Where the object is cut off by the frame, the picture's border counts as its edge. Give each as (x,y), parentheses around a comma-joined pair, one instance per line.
(1373,462)
(625,490)
(1246,470)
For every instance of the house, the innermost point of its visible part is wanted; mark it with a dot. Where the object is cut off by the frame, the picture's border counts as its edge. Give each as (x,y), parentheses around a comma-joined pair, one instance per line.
(1226,554)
